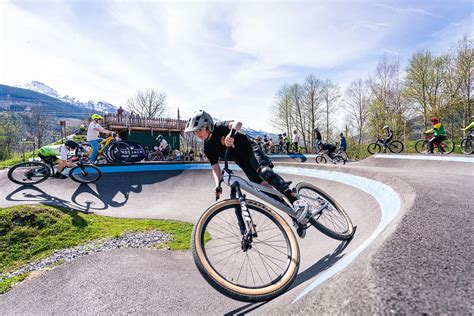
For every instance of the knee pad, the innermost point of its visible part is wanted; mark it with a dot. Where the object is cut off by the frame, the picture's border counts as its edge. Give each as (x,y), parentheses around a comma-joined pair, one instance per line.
(267,174)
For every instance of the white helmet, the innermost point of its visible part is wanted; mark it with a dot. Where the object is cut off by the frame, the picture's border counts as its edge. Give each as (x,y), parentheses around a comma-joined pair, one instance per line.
(199,120)
(385,127)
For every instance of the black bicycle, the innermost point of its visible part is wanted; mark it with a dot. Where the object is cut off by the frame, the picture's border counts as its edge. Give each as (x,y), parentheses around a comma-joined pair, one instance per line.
(33,172)
(466,144)
(246,250)
(395,146)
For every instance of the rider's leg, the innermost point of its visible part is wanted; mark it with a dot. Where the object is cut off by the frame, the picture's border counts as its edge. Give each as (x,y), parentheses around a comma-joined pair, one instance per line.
(95,150)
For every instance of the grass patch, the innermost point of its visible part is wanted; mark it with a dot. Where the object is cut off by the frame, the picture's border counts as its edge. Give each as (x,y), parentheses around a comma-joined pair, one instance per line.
(29,233)
(6,284)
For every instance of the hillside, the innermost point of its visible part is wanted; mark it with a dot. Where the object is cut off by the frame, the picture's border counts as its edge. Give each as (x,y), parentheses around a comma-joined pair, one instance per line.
(22,100)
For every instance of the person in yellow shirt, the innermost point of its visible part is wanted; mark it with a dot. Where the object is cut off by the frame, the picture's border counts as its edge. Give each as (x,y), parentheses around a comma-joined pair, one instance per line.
(470,129)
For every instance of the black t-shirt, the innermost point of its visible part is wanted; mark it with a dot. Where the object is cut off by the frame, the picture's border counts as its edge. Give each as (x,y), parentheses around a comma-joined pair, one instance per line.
(214,148)
(317,135)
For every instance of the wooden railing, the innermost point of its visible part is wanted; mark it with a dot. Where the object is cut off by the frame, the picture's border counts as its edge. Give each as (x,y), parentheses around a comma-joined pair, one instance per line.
(137,121)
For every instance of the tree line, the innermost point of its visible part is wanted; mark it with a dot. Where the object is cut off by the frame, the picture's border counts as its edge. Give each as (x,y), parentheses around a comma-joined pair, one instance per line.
(405,99)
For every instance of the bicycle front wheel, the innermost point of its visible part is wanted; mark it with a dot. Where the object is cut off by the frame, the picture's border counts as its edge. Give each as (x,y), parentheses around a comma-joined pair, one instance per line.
(29,173)
(374,148)
(85,173)
(120,152)
(320,159)
(260,272)
(331,220)
(421,146)
(466,146)
(396,147)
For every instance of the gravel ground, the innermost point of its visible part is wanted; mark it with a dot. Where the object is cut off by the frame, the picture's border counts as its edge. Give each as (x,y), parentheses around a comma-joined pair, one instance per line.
(128,240)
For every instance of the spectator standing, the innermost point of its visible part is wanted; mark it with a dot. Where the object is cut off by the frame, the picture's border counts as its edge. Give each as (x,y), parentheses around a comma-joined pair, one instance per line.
(120,114)
(343,145)
(317,139)
(296,140)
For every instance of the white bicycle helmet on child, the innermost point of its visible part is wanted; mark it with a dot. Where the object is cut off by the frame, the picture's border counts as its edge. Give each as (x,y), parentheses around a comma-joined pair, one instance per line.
(199,120)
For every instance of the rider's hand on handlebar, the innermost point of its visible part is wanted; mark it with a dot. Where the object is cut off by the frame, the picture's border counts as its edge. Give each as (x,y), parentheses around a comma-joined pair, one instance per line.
(229,141)
(217,192)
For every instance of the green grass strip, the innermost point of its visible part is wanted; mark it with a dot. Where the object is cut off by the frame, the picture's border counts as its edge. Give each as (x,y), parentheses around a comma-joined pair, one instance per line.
(29,233)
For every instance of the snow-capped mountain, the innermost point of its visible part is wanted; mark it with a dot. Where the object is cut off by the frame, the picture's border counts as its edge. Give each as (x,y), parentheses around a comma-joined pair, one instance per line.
(100,106)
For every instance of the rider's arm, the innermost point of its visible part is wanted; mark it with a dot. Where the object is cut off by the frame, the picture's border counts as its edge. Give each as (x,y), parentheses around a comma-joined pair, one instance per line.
(429,131)
(217,174)
(233,125)
(469,127)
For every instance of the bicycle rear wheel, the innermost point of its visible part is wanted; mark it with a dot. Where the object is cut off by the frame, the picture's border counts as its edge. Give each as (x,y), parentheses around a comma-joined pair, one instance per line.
(421,146)
(466,146)
(338,160)
(85,173)
(29,172)
(332,220)
(374,148)
(396,147)
(261,272)
(447,145)
(120,152)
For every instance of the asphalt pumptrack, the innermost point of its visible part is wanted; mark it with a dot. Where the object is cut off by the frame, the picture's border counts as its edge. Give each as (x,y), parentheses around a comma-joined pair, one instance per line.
(411,252)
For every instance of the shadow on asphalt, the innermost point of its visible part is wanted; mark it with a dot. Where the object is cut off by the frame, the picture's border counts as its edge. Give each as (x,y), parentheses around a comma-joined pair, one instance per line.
(322,265)
(112,190)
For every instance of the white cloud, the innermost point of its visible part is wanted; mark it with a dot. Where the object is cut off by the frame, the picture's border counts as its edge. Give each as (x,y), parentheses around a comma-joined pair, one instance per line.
(227,57)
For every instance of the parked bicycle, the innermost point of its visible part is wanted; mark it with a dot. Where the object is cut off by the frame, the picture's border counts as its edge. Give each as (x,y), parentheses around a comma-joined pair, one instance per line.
(446,146)
(33,172)
(466,144)
(395,146)
(246,250)
(111,150)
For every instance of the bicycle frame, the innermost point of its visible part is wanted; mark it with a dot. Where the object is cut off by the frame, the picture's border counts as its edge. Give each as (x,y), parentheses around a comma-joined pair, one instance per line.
(237,184)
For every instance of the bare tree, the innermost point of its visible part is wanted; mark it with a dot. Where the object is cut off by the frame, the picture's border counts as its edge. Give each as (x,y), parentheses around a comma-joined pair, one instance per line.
(465,70)
(357,105)
(330,96)
(312,98)
(39,124)
(148,104)
(282,109)
(299,117)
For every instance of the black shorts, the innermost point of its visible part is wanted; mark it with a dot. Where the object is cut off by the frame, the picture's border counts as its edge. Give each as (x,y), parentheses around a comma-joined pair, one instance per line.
(48,159)
(256,161)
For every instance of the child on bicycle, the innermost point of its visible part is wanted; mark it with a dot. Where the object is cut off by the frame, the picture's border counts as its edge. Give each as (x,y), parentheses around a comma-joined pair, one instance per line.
(93,135)
(50,154)
(388,137)
(246,153)
(439,134)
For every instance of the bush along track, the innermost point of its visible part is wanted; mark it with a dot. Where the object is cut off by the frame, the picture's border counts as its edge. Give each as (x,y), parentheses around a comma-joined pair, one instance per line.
(34,237)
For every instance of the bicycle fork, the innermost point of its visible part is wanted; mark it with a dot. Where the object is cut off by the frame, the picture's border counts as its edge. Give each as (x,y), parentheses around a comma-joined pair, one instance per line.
(246,225)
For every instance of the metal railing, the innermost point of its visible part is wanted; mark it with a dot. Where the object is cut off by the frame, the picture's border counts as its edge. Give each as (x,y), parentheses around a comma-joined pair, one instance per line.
(137,121)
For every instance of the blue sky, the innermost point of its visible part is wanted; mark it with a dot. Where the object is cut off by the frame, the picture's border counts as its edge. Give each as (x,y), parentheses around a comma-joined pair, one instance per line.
(227,57)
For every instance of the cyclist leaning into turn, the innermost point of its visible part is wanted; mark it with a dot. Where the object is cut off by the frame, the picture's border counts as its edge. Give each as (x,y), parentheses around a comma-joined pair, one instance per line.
(247,155)
(439,134)
(50,154)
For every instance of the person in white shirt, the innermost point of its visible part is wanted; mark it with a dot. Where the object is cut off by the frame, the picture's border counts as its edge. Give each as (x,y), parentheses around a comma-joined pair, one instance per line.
(93,136)
(296,140)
